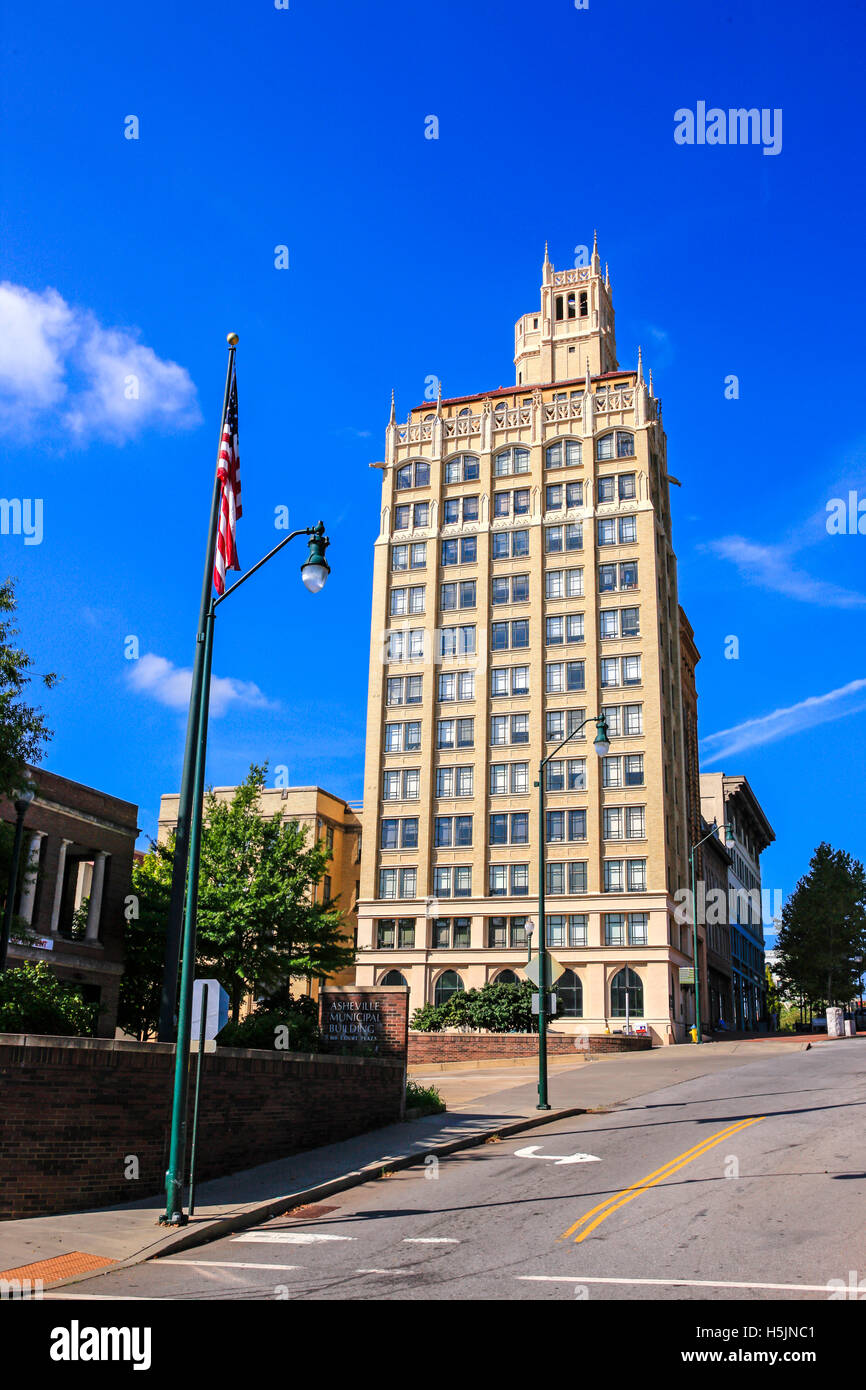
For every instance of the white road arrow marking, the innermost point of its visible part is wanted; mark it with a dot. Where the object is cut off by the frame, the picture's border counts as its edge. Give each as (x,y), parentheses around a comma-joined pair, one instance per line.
(532,1152)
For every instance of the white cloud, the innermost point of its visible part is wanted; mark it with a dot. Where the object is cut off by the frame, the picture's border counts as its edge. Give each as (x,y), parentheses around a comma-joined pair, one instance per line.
(772,567)
(782,723)
(62,373)
(170,685)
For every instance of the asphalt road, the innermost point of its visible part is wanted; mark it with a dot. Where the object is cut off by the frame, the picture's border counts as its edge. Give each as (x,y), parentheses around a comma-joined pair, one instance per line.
(745,1184)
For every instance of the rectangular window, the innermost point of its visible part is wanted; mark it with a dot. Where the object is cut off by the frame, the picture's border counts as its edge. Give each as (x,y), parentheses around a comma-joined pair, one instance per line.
(518,933)
(385,934)
(441,938)
(638,923)
(607,488)
(498,880)
(497,932)
(614,929)
(627,529)
(519,880)
(633,763)
(626,486)
(387,883)
(577,876)
(462,931)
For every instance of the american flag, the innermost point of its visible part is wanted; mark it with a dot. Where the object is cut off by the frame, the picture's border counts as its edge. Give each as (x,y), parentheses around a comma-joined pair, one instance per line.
(229,475)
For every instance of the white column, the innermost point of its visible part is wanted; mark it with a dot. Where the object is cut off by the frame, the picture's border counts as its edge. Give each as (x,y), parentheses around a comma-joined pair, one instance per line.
(58,887)
(95,905)
(28,891)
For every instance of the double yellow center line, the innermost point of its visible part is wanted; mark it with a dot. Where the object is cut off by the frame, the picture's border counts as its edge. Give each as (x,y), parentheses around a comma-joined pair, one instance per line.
(619,1199)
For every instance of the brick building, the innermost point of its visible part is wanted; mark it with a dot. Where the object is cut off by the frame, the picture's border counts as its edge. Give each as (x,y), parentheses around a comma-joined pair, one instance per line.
(78,848)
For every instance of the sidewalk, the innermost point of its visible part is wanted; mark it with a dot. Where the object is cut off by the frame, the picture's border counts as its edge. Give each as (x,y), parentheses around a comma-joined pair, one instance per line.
(65,1249)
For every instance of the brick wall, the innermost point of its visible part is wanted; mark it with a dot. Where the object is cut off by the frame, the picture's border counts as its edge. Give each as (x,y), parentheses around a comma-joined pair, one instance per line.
(75,1109)
(463,1047)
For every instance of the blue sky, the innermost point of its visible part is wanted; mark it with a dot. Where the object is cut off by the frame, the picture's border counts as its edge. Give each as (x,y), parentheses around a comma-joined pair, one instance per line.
(410,257)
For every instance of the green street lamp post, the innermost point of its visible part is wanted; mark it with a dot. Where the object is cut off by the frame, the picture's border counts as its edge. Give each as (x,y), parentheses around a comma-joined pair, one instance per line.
(314,572)
(22,802)
(729,836)
(601,744)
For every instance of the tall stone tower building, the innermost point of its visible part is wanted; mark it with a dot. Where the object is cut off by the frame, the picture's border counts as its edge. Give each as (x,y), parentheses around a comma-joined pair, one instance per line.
(525,578)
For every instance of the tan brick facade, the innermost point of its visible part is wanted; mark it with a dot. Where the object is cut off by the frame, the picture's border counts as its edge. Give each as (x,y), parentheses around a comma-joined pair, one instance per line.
(525,546)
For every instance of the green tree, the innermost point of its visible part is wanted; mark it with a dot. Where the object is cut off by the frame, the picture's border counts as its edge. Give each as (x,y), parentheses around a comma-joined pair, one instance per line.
(258,926)
(496,1008)
(34,1000)
(23,730)
(822,938)
(144,943)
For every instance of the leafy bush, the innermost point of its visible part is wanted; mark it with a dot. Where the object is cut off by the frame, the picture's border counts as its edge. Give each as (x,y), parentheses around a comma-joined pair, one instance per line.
(293,1023)
(424,1098)
(496,1008)
(34,1000)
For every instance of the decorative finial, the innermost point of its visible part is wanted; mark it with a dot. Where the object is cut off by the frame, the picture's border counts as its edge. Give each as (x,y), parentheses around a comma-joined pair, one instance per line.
(232,339)
(439,396)
(639,366)
(588,382)
(546,256)
(594,242)
(393,419)
(606,277)
(651,381)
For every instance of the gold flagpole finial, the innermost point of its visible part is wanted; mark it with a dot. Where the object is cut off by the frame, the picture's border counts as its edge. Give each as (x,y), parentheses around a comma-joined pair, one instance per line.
(231,339)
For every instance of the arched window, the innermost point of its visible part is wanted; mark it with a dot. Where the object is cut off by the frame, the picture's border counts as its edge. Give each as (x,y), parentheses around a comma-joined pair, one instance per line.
(449,983)
(506,977)
(393,977)
(569,996)
(604,447)
(624,445)
(511,461)
(567,453)
(558,307)
(584,307)
(617,994)
(570,306)
(465,411)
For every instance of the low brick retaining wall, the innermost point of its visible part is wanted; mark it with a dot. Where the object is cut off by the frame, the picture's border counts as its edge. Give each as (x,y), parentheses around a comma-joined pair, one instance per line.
(464,1047)
(80,1116)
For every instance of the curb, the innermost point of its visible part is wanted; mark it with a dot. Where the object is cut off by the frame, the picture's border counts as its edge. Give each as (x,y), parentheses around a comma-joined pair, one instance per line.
(187,1239)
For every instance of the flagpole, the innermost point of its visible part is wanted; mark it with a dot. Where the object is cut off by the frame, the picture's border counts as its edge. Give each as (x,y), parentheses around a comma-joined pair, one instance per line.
(168,1000)
(180,1100)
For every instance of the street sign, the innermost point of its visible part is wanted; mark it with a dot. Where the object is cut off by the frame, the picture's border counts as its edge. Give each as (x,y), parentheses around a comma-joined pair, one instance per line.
(551,1003)
(687,974)
(554,970)
(217,1015)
